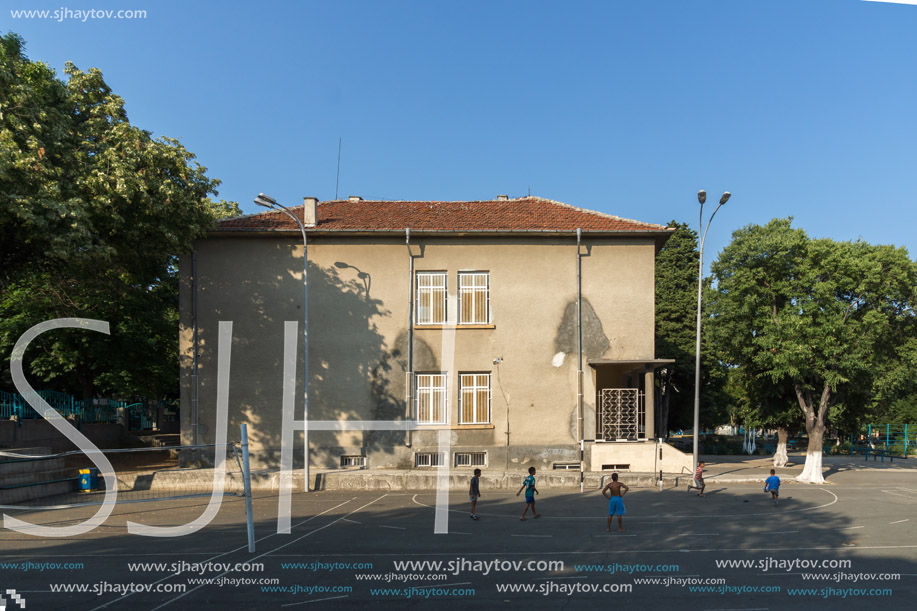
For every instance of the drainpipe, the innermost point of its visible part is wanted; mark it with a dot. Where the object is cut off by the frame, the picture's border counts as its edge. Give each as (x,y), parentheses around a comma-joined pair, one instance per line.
(579,351)
(409,375)
(194,390)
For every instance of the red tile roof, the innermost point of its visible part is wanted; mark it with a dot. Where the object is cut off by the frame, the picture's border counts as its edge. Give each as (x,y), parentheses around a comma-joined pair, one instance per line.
(524,214)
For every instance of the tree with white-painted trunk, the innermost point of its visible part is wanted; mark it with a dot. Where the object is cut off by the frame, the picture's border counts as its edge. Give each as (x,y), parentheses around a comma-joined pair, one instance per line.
(780,455)
(823,318)
(766,404)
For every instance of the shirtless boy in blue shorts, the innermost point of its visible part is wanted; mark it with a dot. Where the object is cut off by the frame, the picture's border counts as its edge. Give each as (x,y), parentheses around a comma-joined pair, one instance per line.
(616,491)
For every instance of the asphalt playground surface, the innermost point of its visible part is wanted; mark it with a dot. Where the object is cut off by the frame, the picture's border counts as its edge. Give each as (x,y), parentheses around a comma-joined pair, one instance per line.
(346,550)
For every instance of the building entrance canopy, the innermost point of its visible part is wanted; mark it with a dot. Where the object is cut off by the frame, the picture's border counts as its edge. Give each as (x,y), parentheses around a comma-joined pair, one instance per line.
(624,402)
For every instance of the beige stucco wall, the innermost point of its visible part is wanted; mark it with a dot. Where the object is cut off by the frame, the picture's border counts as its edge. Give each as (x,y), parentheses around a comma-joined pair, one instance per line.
(641,456)
(358,330)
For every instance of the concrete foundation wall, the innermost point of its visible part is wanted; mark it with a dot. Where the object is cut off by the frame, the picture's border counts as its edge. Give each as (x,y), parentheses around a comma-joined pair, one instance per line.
(39,432)
(641,456)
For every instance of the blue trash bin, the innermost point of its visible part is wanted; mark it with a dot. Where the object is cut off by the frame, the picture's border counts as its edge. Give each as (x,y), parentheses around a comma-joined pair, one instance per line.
(89,479)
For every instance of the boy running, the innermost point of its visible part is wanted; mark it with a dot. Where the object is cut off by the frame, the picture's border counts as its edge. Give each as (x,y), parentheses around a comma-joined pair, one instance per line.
(699,479)
(528,484)
(772,485)
(474,492)
(616,491)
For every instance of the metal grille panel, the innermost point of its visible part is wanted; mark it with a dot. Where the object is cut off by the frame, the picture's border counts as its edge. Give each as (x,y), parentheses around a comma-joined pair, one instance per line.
(619,416)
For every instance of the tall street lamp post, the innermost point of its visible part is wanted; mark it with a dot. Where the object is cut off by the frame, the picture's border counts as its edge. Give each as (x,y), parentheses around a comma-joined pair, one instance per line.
(270,202)
(701,198)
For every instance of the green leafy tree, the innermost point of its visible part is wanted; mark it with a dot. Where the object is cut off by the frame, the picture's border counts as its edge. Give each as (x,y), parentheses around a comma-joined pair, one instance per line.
(771,405)
(676,328)
(676,307)
(95,210)
(818,316)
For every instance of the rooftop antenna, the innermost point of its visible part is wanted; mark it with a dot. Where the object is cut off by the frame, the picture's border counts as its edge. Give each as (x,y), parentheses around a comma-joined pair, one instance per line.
(337,181)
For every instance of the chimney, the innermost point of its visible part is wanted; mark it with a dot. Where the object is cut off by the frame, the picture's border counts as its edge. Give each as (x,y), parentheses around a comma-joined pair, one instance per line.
(310,211)
(355,198)
(503,198)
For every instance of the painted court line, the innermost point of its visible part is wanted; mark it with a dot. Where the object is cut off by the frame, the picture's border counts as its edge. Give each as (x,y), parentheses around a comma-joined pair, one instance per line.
(392,527)
(441,585)
(905,496)
(667,517)
(311,532)
(29,554)
(317,600)
(900,521)
(351,521)
(241,547)
(851,528)
(604,551)
(531,536)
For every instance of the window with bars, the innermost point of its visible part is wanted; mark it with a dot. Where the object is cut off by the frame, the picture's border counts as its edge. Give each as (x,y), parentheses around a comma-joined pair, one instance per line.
(429,459)
(353,461)
(474,398)
(474,298)
(430,393)
(471,459)
(431,298)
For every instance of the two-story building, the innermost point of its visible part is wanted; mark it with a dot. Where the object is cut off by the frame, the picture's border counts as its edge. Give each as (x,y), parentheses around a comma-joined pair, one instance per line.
(524,327)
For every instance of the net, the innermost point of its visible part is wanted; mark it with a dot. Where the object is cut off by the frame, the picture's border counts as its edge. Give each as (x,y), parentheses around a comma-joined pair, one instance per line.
(35,478)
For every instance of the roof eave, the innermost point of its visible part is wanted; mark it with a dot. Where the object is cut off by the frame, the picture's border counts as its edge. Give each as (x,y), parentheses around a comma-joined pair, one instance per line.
(269,231)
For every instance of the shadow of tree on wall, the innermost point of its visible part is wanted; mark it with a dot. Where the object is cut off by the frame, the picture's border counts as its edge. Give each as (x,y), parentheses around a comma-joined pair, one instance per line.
(354,374)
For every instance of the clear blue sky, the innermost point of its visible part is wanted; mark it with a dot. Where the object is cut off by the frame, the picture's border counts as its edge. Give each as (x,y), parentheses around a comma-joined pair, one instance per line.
(798,107)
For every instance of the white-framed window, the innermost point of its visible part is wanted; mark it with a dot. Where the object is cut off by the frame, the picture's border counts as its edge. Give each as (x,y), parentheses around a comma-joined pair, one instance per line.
(353,461)
(431,298)
(471,459)
(429,459)
(474,398)
(430,393)
(474,298)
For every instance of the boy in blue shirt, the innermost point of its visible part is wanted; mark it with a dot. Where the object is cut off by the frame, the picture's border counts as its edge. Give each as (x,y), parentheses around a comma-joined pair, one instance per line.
(772,485)
(528,484)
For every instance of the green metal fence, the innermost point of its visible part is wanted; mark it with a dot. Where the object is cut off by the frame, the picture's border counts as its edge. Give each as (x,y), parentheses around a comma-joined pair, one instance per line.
(139,416)
(885,441)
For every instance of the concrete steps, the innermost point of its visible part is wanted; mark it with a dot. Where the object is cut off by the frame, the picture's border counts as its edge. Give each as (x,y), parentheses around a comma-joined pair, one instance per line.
(25,479)
(160,440)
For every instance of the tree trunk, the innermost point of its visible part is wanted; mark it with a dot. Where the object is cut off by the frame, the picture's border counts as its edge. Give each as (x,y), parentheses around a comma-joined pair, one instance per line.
(815,427)
(86,384)
(780,457)
(661,404)
(811,473)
